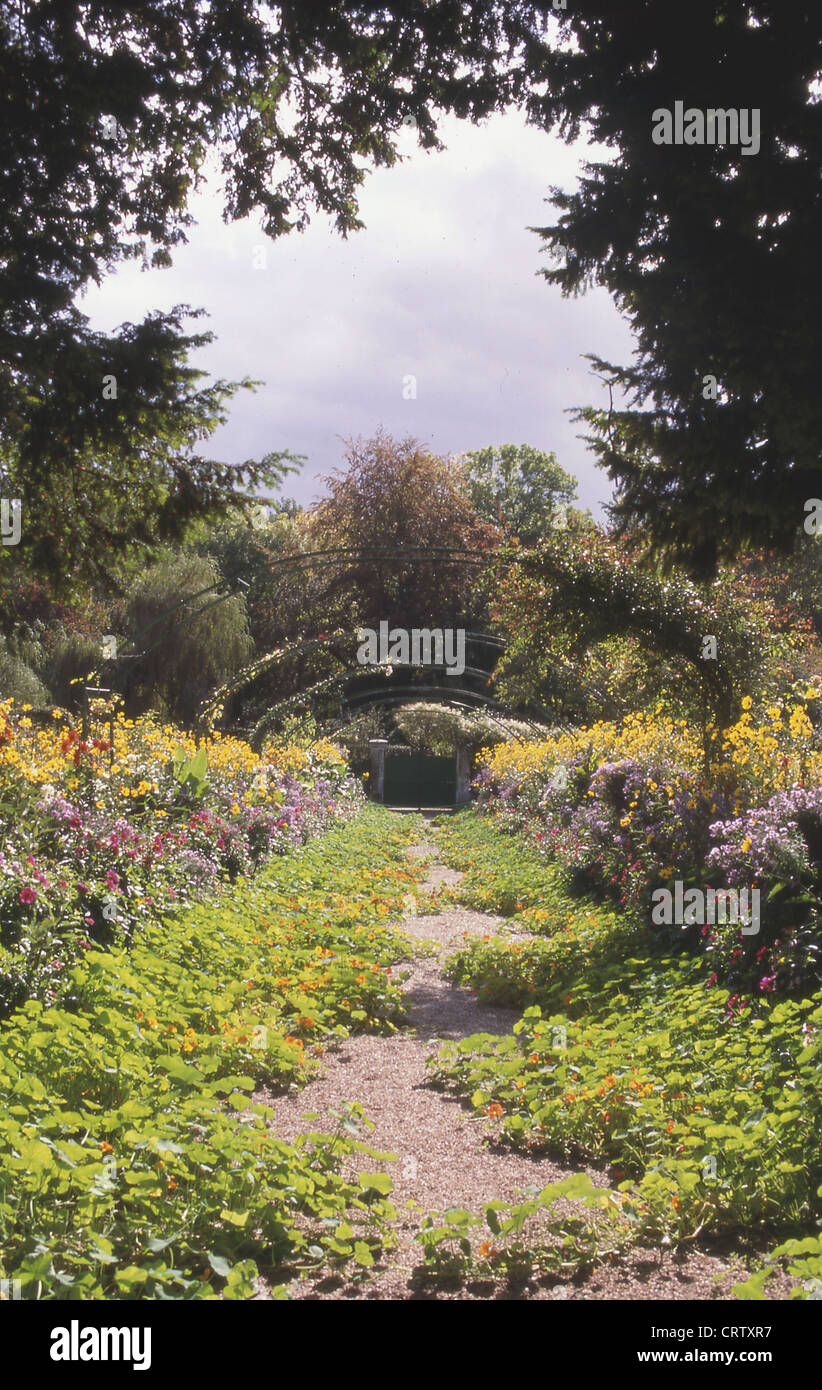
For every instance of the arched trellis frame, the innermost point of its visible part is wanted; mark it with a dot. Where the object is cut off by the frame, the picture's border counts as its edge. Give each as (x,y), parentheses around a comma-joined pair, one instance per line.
(462,699)
(335,686)
(213,708)
(535,561)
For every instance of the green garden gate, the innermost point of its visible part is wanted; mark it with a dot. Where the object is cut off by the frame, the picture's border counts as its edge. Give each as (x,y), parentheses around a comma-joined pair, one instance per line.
(419,779)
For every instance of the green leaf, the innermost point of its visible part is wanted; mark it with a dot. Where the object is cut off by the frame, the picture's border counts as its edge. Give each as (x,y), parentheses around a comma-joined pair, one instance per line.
(235,1218)
(376,1182)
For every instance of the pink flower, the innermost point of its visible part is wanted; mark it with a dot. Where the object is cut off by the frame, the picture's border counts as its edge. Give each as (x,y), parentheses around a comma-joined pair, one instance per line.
(27,895)
(112,879)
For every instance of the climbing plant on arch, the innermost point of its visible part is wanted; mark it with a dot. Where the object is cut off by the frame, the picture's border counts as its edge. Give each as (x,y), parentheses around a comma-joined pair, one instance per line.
(350,687)
(335,644)
(213,708)
(581,587)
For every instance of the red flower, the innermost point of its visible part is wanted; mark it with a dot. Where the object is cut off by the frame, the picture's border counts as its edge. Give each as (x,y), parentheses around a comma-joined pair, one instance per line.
(27,895)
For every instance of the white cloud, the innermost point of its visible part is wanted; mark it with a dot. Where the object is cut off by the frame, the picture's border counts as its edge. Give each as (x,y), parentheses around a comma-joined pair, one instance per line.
(443,284)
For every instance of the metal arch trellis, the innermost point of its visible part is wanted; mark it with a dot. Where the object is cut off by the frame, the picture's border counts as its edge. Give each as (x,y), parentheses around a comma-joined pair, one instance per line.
(225,589)
(213,706)
(284,564)
(414,553)
(400,695)
(332,555)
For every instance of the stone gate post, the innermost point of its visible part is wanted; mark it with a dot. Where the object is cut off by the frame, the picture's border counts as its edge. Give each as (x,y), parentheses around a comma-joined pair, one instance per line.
(463,776)
(376,783)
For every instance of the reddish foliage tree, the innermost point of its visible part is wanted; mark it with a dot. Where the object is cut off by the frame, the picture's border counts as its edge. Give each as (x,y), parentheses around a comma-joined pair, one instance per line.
(395,494)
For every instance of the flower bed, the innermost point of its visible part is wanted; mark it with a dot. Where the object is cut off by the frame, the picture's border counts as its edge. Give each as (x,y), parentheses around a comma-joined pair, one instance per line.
(706,1114)
(132,1161)
(627,809)
(97,840)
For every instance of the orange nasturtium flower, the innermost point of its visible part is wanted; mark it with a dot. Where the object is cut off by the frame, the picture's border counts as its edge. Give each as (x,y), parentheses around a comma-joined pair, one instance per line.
(106,1148)
(495,1110)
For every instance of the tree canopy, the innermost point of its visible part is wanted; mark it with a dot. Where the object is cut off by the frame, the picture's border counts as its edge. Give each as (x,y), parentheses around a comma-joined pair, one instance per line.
(711,253)
(518,488)
(191,642)
(110,117)
(394,494)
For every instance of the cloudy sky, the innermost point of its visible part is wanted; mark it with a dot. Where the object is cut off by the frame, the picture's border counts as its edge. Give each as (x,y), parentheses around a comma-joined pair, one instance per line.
(442,285)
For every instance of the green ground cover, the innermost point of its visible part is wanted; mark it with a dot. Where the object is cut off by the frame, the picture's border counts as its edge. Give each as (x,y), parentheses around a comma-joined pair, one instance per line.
(131,1162)
(706,1120)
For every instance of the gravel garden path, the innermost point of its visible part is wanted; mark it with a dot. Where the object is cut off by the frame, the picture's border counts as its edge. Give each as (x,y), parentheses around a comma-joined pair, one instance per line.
(446,1157)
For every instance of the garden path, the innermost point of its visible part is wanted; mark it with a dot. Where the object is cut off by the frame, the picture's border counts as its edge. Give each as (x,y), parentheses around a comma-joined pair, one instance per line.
(444,1157)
